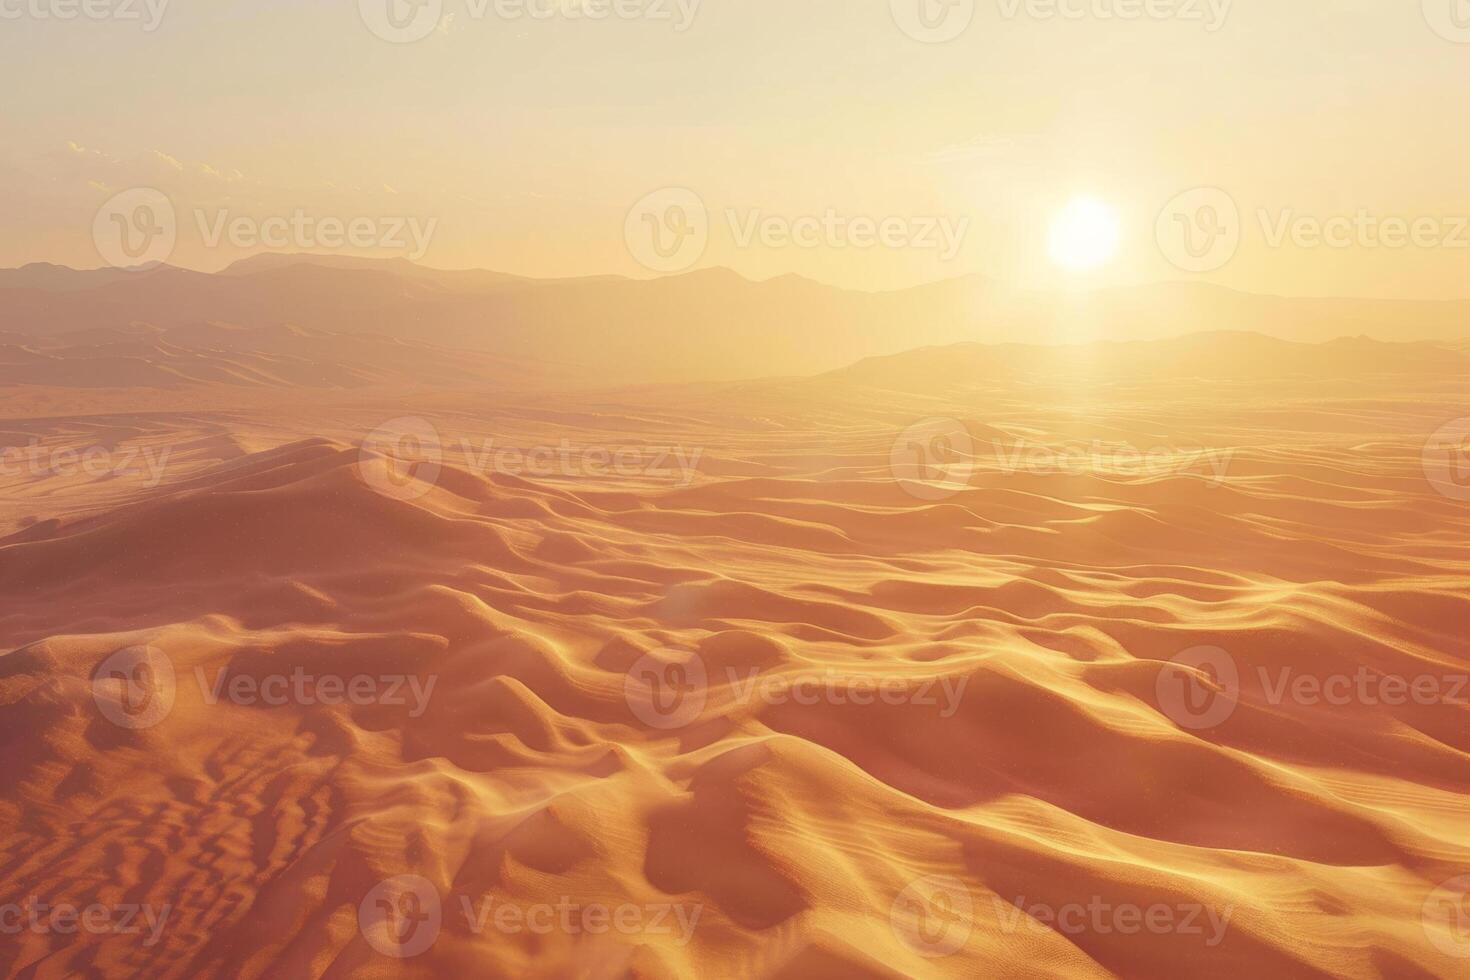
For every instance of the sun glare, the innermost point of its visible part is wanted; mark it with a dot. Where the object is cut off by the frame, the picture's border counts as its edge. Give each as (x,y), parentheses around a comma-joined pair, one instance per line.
(1084,235)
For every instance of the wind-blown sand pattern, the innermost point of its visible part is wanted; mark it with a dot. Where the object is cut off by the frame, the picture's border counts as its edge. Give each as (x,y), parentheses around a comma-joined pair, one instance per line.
(865,675)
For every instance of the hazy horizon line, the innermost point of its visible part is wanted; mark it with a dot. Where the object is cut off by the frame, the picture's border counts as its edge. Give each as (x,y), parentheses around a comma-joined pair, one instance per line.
(1079,289)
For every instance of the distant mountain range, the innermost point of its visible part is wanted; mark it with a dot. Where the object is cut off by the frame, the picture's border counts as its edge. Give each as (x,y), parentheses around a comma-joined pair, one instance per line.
(1215,356)
(343,321)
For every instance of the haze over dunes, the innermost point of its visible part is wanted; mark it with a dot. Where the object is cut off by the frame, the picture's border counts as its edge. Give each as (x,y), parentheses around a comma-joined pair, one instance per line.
(609,330)
(911,662)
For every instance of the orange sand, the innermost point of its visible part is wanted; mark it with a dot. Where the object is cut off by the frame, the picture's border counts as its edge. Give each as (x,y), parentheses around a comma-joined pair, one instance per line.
(596,641)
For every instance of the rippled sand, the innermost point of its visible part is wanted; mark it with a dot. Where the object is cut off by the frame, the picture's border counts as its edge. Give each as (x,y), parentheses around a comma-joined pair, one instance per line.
(867,675)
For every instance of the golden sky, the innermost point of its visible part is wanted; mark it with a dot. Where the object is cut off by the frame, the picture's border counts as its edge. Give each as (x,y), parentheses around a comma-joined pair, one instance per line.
(852,141)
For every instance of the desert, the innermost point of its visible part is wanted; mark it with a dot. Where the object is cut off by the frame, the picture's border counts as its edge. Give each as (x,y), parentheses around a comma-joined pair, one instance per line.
(923,666)
(734,490)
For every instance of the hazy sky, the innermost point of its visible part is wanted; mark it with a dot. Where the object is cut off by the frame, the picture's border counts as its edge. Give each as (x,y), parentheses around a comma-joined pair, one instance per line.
(521,144)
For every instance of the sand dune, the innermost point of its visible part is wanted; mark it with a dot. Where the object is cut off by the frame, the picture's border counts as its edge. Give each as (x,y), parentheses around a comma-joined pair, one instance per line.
(922,719)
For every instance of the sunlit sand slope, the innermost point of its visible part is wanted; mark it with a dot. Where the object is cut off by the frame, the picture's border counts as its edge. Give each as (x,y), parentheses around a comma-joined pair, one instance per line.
(850,677)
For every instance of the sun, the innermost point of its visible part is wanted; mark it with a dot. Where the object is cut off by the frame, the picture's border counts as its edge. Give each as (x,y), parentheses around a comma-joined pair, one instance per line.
(1084,235)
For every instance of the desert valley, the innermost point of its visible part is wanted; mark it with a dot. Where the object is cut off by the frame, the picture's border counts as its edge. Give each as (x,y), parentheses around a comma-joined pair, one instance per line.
(341,638)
